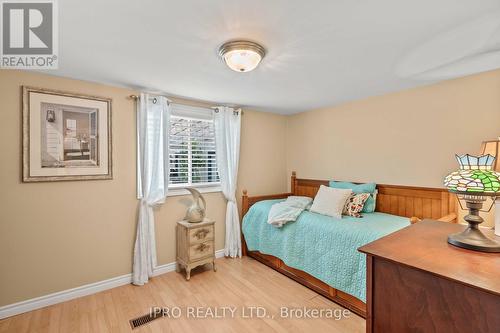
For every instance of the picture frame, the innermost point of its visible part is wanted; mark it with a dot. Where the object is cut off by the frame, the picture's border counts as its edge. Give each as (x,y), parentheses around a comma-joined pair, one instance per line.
(66,136)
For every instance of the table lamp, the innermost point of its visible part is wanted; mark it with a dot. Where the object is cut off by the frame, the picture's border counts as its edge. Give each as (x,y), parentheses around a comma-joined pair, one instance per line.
(474,183)
(492,147)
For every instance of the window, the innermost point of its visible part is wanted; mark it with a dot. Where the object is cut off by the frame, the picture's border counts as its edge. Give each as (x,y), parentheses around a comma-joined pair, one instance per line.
(192,148)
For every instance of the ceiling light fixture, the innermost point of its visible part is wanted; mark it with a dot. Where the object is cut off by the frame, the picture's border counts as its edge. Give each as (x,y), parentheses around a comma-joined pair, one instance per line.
(241,55)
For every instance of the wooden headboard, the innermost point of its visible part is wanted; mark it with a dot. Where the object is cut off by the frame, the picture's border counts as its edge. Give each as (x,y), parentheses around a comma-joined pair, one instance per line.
(408,201)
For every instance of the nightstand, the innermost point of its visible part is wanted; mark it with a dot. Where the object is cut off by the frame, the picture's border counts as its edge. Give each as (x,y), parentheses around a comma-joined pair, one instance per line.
(195,245)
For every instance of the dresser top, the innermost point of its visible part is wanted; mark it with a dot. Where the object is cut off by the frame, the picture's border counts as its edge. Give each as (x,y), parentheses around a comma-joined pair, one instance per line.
(190,225)
(424,246)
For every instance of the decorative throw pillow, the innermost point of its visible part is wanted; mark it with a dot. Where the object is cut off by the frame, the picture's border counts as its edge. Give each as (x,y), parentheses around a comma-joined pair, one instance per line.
(369,206)
(330,201)
(355,203)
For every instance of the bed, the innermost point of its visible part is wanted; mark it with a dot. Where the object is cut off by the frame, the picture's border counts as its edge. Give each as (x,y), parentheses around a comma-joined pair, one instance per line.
(323,255)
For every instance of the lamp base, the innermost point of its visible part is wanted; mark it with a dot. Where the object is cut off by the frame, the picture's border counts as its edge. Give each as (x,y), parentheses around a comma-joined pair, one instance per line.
(474,239)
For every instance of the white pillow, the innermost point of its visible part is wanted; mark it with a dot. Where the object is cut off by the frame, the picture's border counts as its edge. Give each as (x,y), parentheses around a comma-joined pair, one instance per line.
(330,201)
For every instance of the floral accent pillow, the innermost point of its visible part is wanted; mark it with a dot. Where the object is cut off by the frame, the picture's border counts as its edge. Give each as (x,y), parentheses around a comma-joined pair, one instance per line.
(354,204)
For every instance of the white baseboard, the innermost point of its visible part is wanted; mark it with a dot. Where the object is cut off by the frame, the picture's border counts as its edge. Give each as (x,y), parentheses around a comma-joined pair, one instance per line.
(88,289)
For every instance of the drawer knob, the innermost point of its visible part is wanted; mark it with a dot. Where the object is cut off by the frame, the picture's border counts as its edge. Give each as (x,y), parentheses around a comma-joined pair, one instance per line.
(202,233)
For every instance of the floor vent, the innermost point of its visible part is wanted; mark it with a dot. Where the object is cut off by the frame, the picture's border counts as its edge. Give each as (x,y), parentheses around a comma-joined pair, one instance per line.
(143,320)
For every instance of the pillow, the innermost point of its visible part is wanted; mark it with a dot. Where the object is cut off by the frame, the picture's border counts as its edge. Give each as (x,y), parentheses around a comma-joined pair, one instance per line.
(330,201)
(354,204)
(299,201)
(369,206)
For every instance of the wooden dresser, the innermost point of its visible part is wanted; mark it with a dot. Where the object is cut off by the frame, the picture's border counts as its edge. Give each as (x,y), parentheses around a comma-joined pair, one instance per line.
(195,245)
(417,282)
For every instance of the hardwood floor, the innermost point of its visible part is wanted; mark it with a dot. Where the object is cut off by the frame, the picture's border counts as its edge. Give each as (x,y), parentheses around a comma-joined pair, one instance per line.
(238,283)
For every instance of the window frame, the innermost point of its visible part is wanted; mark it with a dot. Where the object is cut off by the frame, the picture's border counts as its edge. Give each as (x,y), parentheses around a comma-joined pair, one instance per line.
(180,189)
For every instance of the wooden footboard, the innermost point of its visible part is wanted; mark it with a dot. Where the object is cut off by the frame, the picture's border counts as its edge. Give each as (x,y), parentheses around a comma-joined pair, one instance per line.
(415,203)
(247,202)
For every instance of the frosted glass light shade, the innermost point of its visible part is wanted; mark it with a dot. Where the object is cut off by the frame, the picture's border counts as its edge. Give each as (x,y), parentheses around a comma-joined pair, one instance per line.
(242,56)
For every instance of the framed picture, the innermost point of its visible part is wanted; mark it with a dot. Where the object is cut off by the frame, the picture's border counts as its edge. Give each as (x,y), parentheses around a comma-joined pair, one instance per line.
(65,136)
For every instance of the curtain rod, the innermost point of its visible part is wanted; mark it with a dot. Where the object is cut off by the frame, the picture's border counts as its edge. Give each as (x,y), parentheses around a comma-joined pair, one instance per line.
(235,111)
(216,108)
(136,97)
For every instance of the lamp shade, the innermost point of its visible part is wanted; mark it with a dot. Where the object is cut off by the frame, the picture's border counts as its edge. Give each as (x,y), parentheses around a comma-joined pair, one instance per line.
(475,176)
(492,147)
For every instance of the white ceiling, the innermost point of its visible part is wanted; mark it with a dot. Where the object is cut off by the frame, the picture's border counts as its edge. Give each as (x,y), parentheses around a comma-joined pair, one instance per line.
(319,53)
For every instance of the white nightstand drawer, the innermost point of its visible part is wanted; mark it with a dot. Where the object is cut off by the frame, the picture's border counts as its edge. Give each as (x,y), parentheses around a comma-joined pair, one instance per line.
(197,235)
(202,250)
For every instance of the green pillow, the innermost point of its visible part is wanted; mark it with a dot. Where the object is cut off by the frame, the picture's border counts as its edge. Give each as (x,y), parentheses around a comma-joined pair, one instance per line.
(369,206)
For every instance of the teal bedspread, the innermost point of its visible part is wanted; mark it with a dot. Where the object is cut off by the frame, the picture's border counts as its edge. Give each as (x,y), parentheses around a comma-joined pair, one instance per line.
(320,245)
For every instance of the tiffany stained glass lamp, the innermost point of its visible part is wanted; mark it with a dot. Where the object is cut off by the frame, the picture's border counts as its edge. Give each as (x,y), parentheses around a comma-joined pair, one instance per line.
(474,183)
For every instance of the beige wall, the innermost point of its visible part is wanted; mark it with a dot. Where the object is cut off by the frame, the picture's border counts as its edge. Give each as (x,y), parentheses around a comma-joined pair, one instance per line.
(406,138)
(55,236)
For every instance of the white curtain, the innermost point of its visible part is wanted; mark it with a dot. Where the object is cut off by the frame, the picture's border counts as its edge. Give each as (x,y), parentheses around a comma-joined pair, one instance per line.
(153,124)
(227,139)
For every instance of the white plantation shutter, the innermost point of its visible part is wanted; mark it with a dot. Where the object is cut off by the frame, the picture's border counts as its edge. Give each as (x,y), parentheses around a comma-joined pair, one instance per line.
(192,147)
